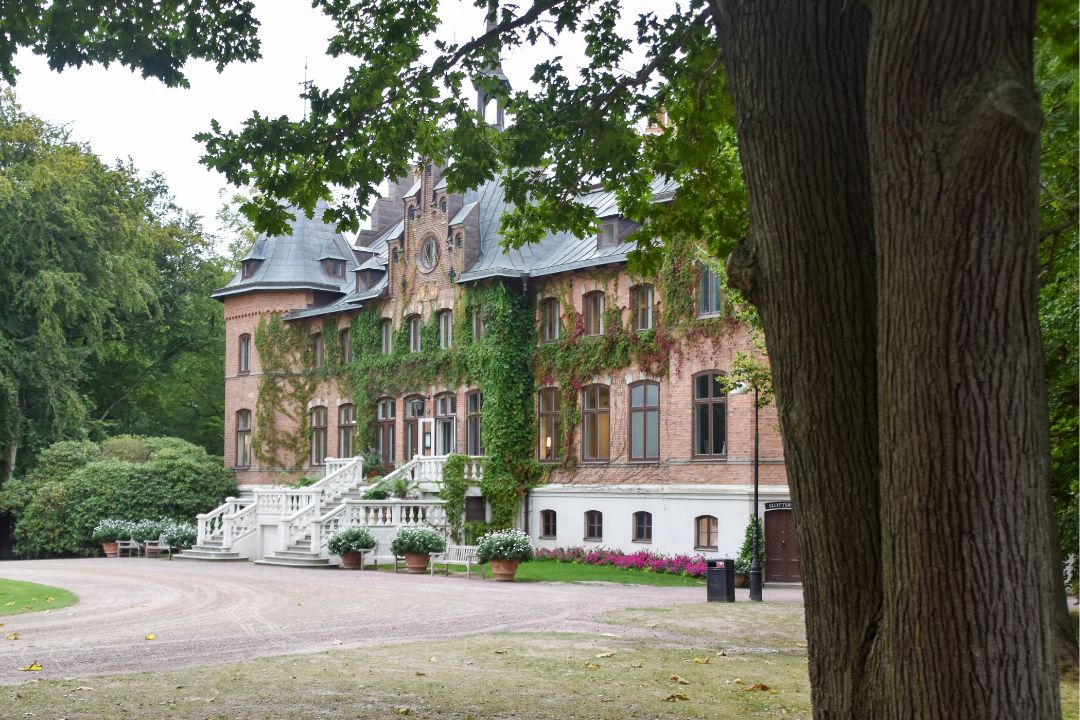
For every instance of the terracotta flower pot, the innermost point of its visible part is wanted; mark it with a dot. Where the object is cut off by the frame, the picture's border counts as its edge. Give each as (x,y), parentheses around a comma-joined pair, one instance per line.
(109,548)
(742,581)
(416,563)
(352,560)
(504,570)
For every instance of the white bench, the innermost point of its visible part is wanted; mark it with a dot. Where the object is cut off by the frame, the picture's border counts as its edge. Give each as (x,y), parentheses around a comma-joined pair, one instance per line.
(457,555)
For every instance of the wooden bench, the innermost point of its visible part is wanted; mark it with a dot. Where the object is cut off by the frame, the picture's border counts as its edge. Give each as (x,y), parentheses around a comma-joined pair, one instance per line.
(154,548)
(382,549)
(128,546)
(457,555)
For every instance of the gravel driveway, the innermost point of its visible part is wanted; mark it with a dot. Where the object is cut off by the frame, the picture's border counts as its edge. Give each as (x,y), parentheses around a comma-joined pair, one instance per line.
(215,612)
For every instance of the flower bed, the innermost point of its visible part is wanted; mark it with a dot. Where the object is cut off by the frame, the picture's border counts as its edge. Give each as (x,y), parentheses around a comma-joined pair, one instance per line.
(688,565)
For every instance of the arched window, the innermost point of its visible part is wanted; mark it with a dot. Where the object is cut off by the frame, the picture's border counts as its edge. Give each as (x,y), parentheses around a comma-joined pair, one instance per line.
(549,320)
(594,313)
(445,423)
(641,306)
(643,527)
(318,350)
(708,302)
(243,438)
(549,413)
(318,435)
(705,532)
(386,332)
(645,421)
(596,424)
(345,343)
(474,406)
(547,524)
(710,415)
(346,431)
(413,323)
(446,329)
(594,525)
(414,409)
(385,417)
(244,359)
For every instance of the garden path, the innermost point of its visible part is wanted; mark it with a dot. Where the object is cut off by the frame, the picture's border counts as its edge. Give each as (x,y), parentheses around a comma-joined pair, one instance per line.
(203,613)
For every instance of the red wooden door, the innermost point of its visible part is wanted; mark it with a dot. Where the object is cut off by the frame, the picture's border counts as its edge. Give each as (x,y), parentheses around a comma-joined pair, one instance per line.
(781,547)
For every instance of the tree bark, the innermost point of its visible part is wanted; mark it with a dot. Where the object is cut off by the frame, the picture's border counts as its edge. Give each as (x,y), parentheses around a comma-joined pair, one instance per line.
(797,76)
(954,124)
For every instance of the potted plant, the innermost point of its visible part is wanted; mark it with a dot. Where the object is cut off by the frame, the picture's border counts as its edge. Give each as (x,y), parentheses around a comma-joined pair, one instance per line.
(108,531)
(504,549)
(417,544)
(348,544)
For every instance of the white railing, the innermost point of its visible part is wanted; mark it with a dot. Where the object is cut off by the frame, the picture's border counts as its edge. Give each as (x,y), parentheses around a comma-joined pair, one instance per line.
(298,525)
(285,500)
(212,524)
(378,515)
(341,476)
(238,524)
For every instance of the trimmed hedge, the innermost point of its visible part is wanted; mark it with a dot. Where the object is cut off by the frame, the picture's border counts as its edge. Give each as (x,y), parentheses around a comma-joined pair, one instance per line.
(76,484)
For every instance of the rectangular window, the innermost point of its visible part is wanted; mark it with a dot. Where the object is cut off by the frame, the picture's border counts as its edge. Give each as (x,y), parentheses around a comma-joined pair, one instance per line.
(245,354)
(549,320)
(445,423)
(642,527)
(317,349)
(550,419)
(243,438)
(345,343)
(596,420)
(474,404)
(446,329)
(707,532)
(475,509)
(594,525)
(318,436)
(645,421)
(708,293)
(346,430)
(386,329)
(386,411)
(477,325)
(547,524)
(414,333)
(641,306)
(594,313)
(710,415)
(607,237)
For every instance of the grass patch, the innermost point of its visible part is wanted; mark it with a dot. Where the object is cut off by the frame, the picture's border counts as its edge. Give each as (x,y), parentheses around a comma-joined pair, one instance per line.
(553,571)
(17,597)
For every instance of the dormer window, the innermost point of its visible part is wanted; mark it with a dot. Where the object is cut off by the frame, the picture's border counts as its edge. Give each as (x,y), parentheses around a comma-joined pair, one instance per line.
(412,212)
(607,237)
(334,268)
(248,268)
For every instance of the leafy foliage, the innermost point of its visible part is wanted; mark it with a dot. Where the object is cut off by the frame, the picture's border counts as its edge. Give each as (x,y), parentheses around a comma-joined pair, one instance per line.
(77,484)
(417,541)
(746,552)
(352,539)
(506,544)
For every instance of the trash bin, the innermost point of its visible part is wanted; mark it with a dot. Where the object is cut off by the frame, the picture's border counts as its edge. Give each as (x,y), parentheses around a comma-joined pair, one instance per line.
(720,580)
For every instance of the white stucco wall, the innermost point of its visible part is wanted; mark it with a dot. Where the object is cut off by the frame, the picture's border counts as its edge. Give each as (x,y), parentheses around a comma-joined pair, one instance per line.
(673,507)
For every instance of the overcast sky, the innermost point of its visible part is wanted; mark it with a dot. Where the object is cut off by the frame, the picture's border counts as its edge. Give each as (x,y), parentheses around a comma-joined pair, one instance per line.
(121,115)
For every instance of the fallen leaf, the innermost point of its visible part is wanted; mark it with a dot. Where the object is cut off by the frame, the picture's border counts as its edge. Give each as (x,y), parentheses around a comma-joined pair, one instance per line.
(500,652)
(738,681)
(607,654)
(48,599)
(591,666)
(402,711)
(151,636)
(32,667)
(9,604)
(13,636)
(675,696)
(722,653)
(757,686)
(652,625)
(420,674)
(703,661)
(638,664)
(84,687)
(431,659)
(681,681)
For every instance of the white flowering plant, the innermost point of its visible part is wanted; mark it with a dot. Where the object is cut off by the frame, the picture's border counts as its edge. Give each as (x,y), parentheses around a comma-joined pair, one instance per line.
(352,539)
(112,529)
(417,541)
(179,534)
(504,545)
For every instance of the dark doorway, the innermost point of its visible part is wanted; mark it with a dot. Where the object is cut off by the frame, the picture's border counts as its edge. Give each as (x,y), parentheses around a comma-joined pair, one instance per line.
(781,547)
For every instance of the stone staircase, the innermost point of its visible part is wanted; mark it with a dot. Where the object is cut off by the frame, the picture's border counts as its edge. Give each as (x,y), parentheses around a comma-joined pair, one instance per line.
(299,554)
(211,550)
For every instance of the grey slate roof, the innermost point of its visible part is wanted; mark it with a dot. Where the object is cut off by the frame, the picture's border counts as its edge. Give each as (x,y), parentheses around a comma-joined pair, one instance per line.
(291,262)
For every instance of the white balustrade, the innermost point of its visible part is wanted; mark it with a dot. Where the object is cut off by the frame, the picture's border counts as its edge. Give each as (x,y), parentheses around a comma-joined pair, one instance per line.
(238,524)
(212,525)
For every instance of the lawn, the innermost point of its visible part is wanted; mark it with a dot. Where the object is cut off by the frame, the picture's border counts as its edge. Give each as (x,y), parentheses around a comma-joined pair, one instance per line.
(18,597)
(552,571)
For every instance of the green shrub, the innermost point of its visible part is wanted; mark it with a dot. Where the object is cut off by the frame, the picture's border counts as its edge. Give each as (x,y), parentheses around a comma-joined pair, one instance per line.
(417,541)
(352,539)
(304,481)
(746,553)
(58,504)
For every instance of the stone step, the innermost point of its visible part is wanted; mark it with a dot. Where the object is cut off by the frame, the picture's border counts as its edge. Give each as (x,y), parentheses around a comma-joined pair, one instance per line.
(203,553)
(309,562)
(212,542)
(296,553)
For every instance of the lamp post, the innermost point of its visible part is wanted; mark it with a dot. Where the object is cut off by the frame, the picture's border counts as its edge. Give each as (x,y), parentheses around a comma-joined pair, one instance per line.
(755,561)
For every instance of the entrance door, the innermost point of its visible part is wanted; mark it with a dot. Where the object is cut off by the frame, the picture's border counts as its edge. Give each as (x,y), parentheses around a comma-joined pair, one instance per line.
(781,547)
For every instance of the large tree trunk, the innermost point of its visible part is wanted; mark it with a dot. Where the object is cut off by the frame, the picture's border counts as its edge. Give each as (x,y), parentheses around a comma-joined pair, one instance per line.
(900,312)
(954,124)
(797,73)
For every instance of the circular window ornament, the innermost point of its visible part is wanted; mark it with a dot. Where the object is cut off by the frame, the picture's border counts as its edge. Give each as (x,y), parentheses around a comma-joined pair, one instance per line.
(428,257)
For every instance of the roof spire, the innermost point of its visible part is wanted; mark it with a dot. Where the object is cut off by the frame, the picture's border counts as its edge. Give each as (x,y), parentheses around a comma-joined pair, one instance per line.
(494,71)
